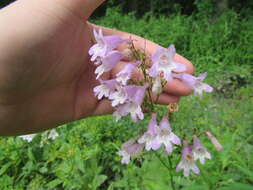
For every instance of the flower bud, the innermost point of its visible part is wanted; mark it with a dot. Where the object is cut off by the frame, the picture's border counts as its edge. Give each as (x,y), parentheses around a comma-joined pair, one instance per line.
(214,141)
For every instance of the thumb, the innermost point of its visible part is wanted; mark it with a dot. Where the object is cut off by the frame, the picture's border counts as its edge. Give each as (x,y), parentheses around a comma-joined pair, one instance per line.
(81,8)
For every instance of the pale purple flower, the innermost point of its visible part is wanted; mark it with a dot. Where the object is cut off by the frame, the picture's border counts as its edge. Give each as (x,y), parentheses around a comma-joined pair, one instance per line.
(214,141)
(195,83)
(157,86)
(104,44)
(163,63)
(120,112)
(126,94)
(106,88)
(132,97)
(199,151)
(165,136)
(126,73)
(135,111)
(131,108)
(136,93)
(118,97)
(108,62)
(130,149)
(187,162)
(149,137)
(28,138)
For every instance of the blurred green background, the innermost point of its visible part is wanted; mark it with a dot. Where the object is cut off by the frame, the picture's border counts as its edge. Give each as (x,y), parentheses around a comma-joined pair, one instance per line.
(217,36)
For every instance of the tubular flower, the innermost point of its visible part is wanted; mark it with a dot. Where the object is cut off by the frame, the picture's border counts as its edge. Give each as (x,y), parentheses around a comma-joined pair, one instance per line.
(126,73)
(133,98)
(187,162)
(149,137)
(214,141)
(199,151)
(166,136)
(121,111)
(131,108)
(129,150)
(108,62)
(28,138)
(136,93)
(106,88)
(195,83)
(118,97)
(163,63)
(104,44)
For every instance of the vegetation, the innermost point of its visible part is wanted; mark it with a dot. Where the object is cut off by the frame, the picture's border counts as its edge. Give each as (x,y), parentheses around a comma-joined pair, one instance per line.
(84,156)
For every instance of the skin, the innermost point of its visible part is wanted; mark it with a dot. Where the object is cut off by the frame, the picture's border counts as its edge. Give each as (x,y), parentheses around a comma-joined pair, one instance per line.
(46,78)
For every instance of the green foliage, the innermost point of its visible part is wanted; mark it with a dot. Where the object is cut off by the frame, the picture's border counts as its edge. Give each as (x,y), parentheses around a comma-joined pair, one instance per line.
(165,7)
(84,156)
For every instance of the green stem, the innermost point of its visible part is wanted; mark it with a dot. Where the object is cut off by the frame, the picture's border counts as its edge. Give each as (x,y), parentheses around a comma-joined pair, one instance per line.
(171,175)
(204,177)
(160,159)
(169,168)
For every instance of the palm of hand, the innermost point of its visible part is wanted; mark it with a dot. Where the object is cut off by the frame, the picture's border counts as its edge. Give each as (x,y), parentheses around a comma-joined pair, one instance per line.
(61,89)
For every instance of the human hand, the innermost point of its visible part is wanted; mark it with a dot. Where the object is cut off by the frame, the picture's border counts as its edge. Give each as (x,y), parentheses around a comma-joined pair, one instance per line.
(46,78)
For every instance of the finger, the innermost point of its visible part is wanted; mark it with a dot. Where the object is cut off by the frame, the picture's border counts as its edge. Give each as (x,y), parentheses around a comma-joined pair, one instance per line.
(104,107)
(177,88)
(186,62)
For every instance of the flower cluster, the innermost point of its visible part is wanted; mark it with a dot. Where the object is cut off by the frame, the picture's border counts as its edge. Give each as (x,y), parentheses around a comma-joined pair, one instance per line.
(126,98)
(130,95)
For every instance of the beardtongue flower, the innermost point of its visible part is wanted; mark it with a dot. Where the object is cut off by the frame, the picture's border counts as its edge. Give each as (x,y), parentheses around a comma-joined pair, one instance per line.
(165,136)
(118,97)
(104,44)
(135,111)
(163,63)
(28,138)
(131,108)
(195,83)
(187,162)
(199,151)
(108,62)
(136,93)
(53,134)
(106,88)
(130,149)
(125,74)
(214,141)
(121,111)
(149,137)
(131,97)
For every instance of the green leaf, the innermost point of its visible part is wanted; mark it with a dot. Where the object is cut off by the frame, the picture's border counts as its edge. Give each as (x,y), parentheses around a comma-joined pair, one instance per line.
(196,187)
(54,183)
(245,171)
(99,180)
(5,167)
(237,186)
(30,154)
